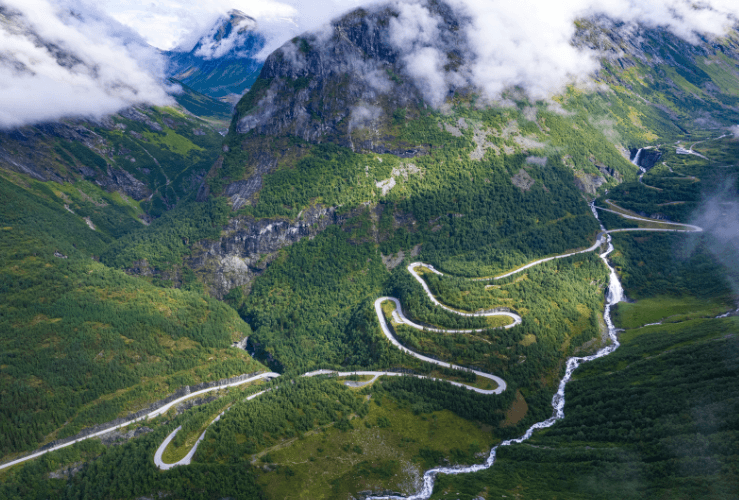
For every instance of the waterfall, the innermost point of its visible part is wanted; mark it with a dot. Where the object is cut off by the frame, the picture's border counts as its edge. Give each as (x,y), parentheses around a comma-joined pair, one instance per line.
(615,292)
(637,158)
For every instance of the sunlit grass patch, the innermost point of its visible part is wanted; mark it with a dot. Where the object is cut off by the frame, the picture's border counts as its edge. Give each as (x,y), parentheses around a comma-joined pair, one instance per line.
(516,412)
(665,309)
(173,141)
(388,449)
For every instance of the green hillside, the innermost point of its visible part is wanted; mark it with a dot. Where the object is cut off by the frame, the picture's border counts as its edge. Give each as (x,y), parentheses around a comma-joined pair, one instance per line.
(201,105)
(145,160)
(655,419)
(82,343)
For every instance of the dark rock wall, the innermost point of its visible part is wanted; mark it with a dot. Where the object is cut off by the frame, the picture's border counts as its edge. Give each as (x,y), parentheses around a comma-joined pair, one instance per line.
(326,86)
(248,245)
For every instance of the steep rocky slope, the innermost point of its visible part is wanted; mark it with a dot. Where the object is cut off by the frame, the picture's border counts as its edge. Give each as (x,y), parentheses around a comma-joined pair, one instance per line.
(347,85)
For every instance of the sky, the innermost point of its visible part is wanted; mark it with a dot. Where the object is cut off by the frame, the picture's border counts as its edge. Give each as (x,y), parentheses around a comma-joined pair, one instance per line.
(169,23)
(61,58)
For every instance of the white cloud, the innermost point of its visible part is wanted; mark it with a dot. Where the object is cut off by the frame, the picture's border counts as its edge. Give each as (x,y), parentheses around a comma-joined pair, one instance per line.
(170,23)
(416,32)
(212,49)
(90,65)
(364,116)
(68,60)
(527,43)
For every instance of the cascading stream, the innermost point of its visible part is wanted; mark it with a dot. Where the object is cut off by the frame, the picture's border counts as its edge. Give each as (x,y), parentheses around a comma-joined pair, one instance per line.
(614,295)
(637,157)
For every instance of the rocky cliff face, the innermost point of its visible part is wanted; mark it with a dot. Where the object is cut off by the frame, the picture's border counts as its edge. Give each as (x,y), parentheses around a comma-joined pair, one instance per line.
(248,245)
(340,85)
(30,151)
(343,85)
(645,158)
(348,85)
(627,44)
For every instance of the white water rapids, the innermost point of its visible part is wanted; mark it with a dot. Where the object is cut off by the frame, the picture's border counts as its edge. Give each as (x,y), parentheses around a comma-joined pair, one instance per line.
(614,295)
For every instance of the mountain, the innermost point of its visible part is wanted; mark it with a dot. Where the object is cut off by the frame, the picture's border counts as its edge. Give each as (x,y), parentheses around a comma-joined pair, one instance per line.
(350,89)
(343,164)
(222,63)
(132,166)
(72,117)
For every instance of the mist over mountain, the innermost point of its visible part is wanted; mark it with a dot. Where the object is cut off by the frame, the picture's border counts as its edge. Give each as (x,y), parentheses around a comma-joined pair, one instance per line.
(63,52)
(351,76)
(718,215)
(67,59)
(528,45)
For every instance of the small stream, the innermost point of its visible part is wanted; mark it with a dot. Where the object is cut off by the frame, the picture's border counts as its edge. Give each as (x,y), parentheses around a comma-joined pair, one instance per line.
(614,295)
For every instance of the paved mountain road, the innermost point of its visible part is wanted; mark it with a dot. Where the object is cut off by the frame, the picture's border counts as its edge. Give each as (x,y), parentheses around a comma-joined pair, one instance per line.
(400,318)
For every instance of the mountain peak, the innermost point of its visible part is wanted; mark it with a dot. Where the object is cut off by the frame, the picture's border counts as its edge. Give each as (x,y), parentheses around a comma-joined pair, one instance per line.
(237,15)
(222,63)
(228,35)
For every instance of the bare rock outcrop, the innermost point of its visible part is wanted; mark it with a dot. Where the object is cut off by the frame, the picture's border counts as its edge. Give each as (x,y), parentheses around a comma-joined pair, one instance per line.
(248,245)
(523,180)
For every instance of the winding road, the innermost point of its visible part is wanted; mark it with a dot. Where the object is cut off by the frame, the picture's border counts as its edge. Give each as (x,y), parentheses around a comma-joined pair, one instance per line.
(613,296)
(687,228)
(148,416)
(682,151)
(188,458)
(615,293)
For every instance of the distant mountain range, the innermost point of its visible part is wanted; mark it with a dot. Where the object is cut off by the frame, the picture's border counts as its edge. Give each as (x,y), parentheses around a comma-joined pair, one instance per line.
(222,64)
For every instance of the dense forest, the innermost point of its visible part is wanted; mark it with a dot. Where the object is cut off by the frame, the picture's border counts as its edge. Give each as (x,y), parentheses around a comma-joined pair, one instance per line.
(96,343)
(313,308)
(559,302)
(657,417)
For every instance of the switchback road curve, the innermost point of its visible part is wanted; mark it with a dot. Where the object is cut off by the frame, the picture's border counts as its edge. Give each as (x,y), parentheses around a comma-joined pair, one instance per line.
(602,238)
